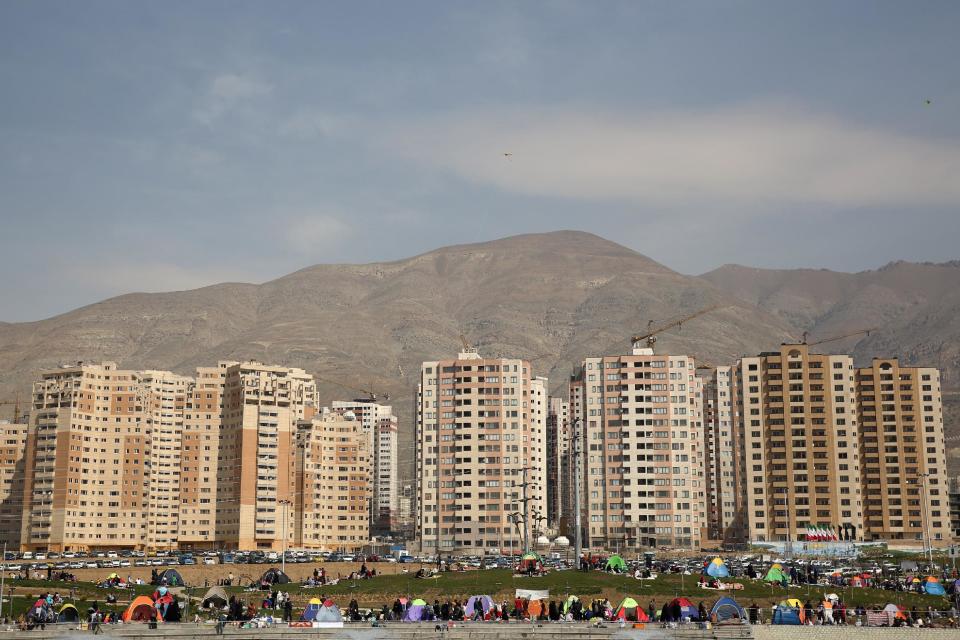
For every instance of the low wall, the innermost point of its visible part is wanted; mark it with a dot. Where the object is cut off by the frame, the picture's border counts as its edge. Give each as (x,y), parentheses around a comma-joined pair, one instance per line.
(829,632)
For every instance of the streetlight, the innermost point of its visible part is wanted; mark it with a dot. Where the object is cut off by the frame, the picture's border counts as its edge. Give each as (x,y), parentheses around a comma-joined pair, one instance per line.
(925,522)
(283,556)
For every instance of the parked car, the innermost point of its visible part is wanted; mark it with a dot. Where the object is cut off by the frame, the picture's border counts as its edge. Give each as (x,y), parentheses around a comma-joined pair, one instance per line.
(209,560)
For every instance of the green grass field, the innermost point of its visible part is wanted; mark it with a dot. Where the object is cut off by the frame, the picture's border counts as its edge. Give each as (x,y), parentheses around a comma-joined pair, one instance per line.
(501,584)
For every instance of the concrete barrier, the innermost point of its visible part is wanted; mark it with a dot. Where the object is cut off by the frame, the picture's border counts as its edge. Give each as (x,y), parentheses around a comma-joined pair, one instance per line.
(402,631)
(829,632)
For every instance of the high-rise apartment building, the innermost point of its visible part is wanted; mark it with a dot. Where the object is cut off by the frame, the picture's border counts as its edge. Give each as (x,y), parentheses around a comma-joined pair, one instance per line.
(722,461)
(164,396)
(642,443)
(479,440)
(200,451)
(332,483)
(558,459)
(381,427)
(13,444)
(262,405)
(902,453)
(800,448)
(87,480)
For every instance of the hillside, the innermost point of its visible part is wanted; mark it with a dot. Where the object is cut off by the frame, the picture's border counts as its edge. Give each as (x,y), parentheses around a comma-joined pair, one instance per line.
(553,298)
(914,306)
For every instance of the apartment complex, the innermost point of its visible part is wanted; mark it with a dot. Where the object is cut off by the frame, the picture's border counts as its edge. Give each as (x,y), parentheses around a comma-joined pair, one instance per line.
(199,458)
(262,405)
(903,462)
(558,459)
(13,443)
(380,425)
(333,482)
(643,450)
(114,458)
(800,444)
(722,459)
(480,438)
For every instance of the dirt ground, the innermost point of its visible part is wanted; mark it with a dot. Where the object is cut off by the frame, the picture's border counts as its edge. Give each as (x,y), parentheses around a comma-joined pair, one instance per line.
(200,574)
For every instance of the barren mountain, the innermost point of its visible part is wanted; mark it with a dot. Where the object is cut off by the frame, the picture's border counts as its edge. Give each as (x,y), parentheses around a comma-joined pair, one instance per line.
(915,309)
(552,298)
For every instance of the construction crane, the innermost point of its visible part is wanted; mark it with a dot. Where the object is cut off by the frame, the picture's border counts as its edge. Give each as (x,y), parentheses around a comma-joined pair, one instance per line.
(373,397)
(651,335)
(16,407)
(835,338)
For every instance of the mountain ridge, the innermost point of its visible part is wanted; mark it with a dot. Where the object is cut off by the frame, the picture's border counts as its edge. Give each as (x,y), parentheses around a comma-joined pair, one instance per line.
(553,298)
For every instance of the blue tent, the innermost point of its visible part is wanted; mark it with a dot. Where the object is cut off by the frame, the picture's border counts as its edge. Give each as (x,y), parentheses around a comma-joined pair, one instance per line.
(789,612)
(934,587)
(716,569)
(727,609)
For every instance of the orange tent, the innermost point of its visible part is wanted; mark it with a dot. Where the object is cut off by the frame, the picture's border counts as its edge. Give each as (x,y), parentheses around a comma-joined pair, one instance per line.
(535,608)
(141,610)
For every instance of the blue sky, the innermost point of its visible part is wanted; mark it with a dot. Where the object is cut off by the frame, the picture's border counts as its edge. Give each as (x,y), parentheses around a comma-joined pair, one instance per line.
(157,146)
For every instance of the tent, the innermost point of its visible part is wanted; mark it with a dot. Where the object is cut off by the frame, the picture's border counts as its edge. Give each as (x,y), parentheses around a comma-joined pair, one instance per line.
(535,608)
(329,612)
(486,602)
(776,574)
(141,610)
(68,613)
(616,563)
(530,562)
(313,608)
(568,604)
(325,611)
(933,587)
(630,611)
(727,609)
(169,577)
(215,597)
(856,581)
(274,576)
(789,611)
(716,569)
(415,611)
(687,608)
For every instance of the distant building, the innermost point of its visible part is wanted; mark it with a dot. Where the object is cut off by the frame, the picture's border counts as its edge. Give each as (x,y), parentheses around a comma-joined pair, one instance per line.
(643,450)
(13,444)
(800,444)
(558,459)
(333,483)
(479,438)
(381,427)
(955,506)
(722,462)
(902,453)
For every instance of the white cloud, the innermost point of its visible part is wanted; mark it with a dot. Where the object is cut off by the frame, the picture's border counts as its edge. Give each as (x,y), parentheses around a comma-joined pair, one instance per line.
(225,93)
(741,155)
(308,234)
(310,124)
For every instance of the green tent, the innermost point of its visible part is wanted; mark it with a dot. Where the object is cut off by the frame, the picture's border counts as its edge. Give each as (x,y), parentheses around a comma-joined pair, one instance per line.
(569,603)
(616,563)
(419,602)
(776,574)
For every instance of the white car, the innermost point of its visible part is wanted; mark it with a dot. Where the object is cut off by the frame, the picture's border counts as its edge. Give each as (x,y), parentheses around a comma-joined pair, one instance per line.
(209,560)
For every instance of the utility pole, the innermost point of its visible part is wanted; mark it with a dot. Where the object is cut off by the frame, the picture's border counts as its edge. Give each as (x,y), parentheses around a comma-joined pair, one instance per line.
(788,547)
(526,510)
(927,538)
(283,555)
(577,491)
(3,575)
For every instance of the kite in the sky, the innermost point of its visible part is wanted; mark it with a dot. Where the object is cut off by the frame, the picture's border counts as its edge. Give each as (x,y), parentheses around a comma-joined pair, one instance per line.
(508,155)
(928,101)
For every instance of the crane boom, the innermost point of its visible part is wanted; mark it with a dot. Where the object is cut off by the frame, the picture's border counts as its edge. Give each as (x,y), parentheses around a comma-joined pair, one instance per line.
(651,335)
(16,407)
(835,338)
